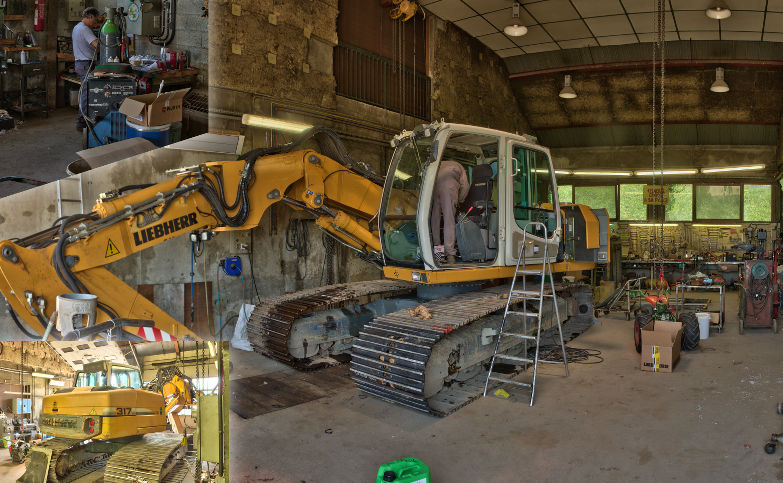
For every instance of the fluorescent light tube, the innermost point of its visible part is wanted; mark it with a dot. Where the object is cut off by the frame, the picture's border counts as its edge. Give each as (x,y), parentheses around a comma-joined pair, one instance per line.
(274,123)
(667,172)
(733,168)
(603,173)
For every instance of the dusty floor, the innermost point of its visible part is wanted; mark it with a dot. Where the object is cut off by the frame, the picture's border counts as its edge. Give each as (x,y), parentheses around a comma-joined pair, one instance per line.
(706,421)
(9,471)
(40,149)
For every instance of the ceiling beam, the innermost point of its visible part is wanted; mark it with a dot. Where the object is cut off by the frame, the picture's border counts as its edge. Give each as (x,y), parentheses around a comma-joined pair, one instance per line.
(639,64)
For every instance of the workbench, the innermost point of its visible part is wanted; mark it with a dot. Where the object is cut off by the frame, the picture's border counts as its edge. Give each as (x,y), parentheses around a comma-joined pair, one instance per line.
(26,99)
(721,302)
(677,270)
(174,79)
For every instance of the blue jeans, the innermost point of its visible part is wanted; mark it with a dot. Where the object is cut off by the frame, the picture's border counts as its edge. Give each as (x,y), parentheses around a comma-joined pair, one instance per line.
(82,68)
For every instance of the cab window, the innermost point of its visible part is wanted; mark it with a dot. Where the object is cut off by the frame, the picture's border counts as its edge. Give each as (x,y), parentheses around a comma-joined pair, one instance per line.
(91,379)
(533,190)
(125,378)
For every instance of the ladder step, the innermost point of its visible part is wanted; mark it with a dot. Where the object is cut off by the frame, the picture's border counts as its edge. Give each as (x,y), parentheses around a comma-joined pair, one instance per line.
(523,314)
(529,272)
(544,361)
(509,381)
(525,294)
(514,358)
(520,336)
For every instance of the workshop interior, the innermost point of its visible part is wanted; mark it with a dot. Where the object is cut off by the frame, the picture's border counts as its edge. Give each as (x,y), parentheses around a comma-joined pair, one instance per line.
(438,238)
(114,411)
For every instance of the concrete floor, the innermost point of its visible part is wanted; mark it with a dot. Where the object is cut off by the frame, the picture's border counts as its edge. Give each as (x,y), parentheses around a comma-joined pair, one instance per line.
(9,471)
(706,421)
(41,149)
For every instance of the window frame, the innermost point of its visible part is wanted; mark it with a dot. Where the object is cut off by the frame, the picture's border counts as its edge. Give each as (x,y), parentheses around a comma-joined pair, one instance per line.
(771,202)
(696,219)
(619,204)
(599,183)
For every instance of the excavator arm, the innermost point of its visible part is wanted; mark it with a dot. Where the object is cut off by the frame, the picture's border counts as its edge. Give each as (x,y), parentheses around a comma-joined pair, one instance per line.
(218,196)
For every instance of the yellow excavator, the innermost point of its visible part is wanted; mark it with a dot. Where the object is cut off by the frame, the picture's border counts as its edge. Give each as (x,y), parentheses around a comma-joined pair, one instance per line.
(178,394)
(105,416)
(385,220)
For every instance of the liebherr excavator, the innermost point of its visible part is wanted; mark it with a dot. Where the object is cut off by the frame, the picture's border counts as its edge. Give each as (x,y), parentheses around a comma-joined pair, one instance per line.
(396,356)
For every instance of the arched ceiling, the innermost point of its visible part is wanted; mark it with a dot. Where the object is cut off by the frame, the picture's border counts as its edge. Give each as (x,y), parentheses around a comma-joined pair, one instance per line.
(568,24)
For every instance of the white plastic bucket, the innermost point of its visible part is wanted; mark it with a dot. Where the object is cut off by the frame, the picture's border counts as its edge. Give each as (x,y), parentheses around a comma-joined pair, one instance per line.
(704,324)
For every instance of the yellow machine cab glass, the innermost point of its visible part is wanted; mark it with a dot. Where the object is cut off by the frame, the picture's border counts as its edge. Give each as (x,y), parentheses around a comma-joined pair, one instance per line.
(533,189)
(401,200)
(119,377)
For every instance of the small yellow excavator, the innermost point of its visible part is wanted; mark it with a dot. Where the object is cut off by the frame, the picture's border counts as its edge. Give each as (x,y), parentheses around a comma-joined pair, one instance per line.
(105,416)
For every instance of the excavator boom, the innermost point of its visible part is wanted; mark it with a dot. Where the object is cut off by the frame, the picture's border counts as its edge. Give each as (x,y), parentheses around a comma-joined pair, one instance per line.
(213,197)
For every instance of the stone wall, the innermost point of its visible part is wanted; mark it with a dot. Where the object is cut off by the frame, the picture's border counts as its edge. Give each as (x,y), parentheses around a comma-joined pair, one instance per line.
(275,58)
(470,82)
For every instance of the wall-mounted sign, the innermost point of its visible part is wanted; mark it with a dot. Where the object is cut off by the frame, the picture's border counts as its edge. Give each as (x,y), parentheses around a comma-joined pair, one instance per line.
(656,195)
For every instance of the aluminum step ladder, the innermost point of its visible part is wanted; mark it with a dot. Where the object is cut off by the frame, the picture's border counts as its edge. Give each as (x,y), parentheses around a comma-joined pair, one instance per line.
(525,295)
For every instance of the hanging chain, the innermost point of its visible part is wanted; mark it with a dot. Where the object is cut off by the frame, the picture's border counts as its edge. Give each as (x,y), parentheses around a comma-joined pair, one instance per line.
(655,242)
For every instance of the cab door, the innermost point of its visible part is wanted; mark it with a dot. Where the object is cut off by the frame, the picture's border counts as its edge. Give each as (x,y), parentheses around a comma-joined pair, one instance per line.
(531,196)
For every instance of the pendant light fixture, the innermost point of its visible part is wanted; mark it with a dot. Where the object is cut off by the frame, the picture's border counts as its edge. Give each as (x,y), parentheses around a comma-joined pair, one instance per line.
(719,85)
(567,92)
(515,27)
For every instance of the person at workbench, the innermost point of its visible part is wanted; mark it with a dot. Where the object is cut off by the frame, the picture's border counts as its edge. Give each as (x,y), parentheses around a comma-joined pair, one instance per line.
(451,188)
(84,45)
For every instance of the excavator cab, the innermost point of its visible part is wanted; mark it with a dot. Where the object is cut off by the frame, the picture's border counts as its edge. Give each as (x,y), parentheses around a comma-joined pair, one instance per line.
(105,373)
(510,183)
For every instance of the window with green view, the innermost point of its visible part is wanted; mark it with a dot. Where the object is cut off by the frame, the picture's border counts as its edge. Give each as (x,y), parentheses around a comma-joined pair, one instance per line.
(717,202)
(680,206)
(632,205)
(565,193)
(757,202)
(597,197)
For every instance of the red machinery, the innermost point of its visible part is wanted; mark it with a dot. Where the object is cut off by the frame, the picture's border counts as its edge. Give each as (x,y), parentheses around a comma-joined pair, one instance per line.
(759,295)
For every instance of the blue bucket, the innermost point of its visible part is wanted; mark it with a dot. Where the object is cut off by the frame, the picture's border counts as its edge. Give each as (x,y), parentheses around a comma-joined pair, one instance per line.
(157,135)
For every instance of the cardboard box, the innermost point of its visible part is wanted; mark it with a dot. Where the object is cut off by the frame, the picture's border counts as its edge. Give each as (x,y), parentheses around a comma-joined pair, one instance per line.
(661,341)
(153,109)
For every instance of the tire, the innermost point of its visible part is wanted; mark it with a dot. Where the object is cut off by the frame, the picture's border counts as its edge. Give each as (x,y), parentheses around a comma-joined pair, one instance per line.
(639,323)
(646,309)
(774,326)
(691,335)
(769,448)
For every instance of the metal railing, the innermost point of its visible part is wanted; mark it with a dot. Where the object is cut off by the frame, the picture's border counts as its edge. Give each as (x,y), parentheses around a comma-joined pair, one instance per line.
(372,79)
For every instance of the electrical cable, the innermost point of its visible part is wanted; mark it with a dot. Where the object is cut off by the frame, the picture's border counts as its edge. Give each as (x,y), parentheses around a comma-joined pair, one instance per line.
(220,314)
(21,327)
(252,270)
(192,273)
(575,355)
(296,237)
(206,292)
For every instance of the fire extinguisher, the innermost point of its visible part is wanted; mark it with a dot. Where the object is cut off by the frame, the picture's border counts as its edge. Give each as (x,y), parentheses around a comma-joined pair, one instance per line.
(40,15)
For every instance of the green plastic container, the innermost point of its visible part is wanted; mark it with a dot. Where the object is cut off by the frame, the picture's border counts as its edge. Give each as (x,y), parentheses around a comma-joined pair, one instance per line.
(406,470)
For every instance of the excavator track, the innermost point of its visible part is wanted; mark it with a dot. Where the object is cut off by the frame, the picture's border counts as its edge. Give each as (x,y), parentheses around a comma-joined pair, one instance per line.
(150,458)
(60,447)
(270,324)
(389,359)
